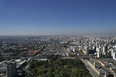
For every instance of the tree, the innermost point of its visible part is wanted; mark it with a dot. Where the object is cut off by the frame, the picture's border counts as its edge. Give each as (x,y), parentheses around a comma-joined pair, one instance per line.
(58,68)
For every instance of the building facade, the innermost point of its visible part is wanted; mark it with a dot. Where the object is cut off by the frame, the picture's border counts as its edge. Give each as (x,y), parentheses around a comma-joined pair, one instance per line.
(11,69)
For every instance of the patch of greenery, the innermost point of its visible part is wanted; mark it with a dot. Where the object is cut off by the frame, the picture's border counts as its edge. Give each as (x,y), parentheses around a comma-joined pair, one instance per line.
(57,68)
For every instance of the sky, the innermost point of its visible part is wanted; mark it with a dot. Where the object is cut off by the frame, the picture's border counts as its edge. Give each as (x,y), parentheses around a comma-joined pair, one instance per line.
(57,17)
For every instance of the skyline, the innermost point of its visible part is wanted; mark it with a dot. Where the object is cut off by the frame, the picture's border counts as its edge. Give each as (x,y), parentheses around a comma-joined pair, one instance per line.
(61,17)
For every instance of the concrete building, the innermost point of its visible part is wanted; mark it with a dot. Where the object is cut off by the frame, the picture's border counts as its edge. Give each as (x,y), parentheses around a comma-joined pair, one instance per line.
(114,55)
(11,69)
(97,70)
(112,51)
(114,74)
(97,49)
(87,50)
(97,44)
(104,50)
(92,65)
(98,54)
(108,54)
(114,46)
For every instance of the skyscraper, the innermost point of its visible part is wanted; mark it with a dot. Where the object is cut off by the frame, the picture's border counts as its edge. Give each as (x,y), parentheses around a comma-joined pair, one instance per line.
(104,50)
(11,69)
(87,50)
(114,55)
(98,53)
(97,44)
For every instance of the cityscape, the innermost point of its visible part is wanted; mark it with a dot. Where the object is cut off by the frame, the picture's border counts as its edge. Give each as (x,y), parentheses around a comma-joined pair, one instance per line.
(57,38)
(98,53)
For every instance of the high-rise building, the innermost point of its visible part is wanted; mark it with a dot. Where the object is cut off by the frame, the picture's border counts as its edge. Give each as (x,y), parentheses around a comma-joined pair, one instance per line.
(87,50)
(98,52)
(11,69)
(97,44)
(104,50)
(114,55)
(108,54)
(97,49)
(112,51)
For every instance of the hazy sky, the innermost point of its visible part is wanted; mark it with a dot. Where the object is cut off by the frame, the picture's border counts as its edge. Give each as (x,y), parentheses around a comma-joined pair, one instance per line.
(57,17)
